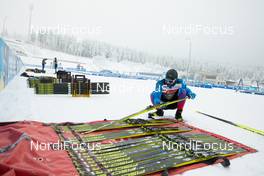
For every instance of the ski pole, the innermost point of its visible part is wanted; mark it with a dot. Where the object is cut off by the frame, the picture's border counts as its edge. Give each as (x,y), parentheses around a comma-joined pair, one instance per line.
(260,132)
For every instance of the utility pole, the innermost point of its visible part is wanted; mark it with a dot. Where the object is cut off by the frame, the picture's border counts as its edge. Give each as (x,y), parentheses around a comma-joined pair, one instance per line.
(31,7)
(190,56)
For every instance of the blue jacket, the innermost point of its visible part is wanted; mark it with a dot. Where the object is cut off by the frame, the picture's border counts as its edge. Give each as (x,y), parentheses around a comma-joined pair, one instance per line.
(162,88)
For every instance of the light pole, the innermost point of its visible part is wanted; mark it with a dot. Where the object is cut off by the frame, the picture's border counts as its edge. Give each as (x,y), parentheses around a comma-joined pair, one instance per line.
(4,26)
(190,56)
(31,7)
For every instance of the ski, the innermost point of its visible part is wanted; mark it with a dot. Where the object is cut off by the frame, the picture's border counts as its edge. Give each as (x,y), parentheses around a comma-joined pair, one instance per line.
(130,155)
(143,159)
(130,133)
(130,123)
(150,108)
(260,132)
(82,168)
(126,142)
(144,155)
(148,156)
(116,158)
(163,156)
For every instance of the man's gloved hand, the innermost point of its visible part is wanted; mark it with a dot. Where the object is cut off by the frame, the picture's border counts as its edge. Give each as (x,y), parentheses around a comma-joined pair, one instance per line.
(192,95)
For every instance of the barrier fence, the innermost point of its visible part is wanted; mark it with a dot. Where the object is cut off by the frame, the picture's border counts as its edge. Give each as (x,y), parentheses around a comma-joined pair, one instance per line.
(10,64)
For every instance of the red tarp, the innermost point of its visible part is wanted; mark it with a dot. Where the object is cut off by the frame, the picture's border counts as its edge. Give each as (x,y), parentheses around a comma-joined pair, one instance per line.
(24,161)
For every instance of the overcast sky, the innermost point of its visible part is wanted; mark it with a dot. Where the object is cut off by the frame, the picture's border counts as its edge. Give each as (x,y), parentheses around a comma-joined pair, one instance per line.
(222,30)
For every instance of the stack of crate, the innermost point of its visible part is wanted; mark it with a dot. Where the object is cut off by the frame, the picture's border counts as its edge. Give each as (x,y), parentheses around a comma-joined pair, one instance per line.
(32,82)
(64,76)
(65,83)
(45,85)
(80,86)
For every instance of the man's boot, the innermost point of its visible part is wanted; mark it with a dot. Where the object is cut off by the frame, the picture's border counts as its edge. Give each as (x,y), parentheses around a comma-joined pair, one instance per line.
(178,115)
(159,112)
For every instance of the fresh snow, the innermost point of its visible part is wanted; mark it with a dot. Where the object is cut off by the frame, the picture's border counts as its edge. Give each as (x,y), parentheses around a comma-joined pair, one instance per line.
(17,102)
(35,54)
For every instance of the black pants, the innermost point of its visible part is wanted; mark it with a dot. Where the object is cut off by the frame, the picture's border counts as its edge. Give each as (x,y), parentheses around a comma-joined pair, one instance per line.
(171,106)
(55,67)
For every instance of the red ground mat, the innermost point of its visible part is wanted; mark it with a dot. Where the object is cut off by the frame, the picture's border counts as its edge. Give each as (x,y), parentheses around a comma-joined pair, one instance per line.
(20,160)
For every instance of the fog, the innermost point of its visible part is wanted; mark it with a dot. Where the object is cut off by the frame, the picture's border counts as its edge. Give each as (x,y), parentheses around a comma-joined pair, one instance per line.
(219,31)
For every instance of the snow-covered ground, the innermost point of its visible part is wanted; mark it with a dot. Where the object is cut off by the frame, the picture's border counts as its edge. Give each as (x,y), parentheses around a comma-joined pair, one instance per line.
(35,54)
(17,102)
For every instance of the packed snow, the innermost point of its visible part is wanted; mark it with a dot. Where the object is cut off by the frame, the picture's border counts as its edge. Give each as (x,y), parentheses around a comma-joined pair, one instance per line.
(18,102)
